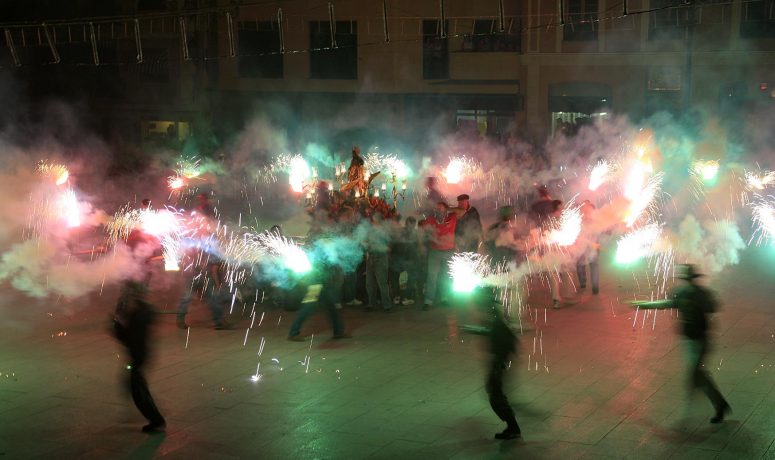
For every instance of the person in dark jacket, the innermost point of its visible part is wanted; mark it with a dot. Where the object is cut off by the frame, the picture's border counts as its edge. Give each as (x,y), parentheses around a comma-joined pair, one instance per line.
(694,303)
(502,345)
(468,231)
(131,323)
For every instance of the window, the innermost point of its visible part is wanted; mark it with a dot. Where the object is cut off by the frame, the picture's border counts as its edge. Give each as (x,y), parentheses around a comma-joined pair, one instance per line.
(340,61)
(155,66)
(486,37)
(435,51)
(668,20)
(758,19)
(259,50)
(581,17)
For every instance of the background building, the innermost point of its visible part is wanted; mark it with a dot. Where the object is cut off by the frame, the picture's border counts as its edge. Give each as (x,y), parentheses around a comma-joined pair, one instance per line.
(530,67)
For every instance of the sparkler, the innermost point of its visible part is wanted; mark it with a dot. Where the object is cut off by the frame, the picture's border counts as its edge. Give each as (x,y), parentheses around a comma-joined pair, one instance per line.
(599,174)
(707,170)
(763,219)
(644,199)
(175,182)
(754,181)
(188,168)
(298,172)
(637,177)
(468,270)
(58,172)
(286,250)
(638,244)
(568,225)
(68,205)
(458,168)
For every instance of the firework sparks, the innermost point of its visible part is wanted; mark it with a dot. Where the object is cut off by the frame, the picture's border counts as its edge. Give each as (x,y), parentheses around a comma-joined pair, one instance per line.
(58,172)
(638,244)
(568,226)
(468,270)
(188,168)
(69,208)
(176,182)
(600,173)
(459,168)
(763,219)
(759,181)
(286,250)
(636,177)
(644,200)
(374,162)
(298,172)
(707,170)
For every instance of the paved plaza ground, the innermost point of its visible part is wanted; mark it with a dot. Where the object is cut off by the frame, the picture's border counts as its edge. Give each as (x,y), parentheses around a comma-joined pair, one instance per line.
(592,380)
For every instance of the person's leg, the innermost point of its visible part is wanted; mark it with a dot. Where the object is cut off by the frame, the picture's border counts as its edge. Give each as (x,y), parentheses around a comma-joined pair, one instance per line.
(554,288)
(500,403)
(594,274)
(185,302)
(381,275)
(306,309)
(141,396)
(216,299)
(702,380)
(581,272)
(371,282)
(434,265)
(444,278)
(327,299)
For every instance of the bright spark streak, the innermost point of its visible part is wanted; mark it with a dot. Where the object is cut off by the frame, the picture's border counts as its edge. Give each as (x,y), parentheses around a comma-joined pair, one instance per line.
(638,244)
(176,182)
(457,169)
(644,199)
(298,173)
(599,174)
(568,226)
(69,208)
(708,170)
(468,270)
(763,219)
(188,168)
(284,249)
(636,178)
(58,172)
(756,181)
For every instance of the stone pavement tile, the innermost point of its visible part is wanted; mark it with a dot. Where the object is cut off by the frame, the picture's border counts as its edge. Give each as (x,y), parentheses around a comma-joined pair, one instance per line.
(693,453)
(593,429)
(329,446)
(629,449)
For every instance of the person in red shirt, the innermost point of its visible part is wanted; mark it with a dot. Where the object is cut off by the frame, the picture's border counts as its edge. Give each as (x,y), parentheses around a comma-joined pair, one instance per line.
(441,246)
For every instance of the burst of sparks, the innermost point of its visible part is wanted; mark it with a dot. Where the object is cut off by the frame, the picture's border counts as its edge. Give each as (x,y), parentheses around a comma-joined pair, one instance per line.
(468,270)
(375,161)
(176,182)
(188,168)
(568,226)
(170,245)
(58,172)
(638,244)
(636,177)
(644,200)
(599,174)
(68,205)
(760,181)
(763,219)
(706,169)
(286,250)
(298,172)
(459,168)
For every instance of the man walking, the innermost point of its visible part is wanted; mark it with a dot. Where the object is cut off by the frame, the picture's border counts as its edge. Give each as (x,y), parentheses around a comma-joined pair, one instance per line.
(694,303)
(468,231)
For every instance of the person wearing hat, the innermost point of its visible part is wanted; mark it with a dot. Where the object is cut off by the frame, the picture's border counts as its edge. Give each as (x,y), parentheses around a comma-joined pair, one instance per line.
(131,326)
(468,231)
(502,346)
(694,303)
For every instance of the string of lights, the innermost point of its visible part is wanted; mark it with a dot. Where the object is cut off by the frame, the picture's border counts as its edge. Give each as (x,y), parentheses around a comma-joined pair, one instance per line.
(91,29)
